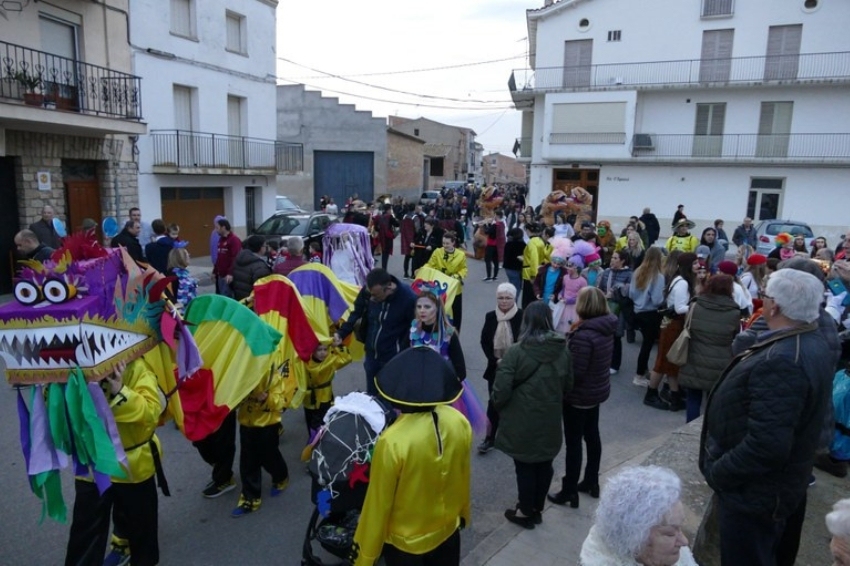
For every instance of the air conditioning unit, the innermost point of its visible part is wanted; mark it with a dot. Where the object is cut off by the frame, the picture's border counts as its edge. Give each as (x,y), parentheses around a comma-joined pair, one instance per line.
(643,141)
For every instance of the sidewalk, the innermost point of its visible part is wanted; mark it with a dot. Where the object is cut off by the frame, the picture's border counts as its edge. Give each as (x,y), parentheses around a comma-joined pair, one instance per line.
(559,538)
(201,269)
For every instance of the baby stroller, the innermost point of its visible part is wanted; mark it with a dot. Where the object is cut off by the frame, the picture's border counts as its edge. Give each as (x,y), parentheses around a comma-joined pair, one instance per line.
(339,467)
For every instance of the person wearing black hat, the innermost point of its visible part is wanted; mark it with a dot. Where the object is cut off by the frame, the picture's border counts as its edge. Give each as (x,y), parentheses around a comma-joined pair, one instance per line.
(419,483)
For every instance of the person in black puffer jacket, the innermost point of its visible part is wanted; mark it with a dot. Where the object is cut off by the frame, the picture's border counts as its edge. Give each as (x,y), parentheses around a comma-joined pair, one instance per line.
(762,423)
(249,266)
(592,347)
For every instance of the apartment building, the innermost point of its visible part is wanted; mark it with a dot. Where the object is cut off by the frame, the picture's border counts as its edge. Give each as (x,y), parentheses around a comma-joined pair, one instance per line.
(209,71)
(731,108)
(502,169)
(70,110)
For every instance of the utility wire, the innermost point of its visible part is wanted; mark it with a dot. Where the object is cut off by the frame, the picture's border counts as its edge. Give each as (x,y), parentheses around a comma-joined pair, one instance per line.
(426,70)
(428,96)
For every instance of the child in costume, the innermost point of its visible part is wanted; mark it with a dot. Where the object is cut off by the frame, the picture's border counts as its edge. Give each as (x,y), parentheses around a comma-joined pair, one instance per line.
(259,433)
(452,261)
(187,285)
(573,283)
(321,370)
(315,252)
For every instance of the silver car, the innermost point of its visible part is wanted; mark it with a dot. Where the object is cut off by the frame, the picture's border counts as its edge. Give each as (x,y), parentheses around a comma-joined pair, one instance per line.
(767,230)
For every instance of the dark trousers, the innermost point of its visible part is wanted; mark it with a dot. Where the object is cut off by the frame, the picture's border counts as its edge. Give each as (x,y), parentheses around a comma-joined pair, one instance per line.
(528,295)
(386,250)
(491,258)
(693,404)
(648,322)
(219,450)
(581,424)
(315,418)
(90,524)
(259,451)
(617,357)
(492,413)
(789,543)
(532,483)
(748,540)
(457,311)
(371,366)
(447,554)
(408,260)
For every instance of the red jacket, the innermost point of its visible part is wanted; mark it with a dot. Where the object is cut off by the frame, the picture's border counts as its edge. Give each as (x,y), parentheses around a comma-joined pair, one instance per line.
(228,248)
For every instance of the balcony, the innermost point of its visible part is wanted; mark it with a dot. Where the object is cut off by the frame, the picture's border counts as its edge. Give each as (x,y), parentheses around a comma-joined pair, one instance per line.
(812,68)
(749,148)
(198,153)
(34,85)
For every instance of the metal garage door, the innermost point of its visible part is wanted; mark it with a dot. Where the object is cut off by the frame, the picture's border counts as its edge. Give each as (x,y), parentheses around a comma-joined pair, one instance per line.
(341,174)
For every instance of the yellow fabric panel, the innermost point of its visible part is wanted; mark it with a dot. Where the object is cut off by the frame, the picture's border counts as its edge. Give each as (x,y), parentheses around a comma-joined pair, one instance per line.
(428,273)
(162,363)
(454,265)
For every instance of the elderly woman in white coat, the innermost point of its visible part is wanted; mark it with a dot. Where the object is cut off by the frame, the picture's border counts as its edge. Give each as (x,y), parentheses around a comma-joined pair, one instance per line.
(639,521)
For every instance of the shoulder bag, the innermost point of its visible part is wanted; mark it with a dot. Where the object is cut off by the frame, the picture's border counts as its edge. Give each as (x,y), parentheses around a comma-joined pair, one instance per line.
(678,352)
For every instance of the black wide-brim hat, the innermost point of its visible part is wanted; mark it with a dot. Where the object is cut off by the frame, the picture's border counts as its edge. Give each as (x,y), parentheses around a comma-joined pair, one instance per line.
(418,377)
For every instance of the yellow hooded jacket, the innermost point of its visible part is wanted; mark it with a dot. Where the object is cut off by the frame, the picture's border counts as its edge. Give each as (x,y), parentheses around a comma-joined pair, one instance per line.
(419,489)
(535,255)
(255,413)
(320,376)
(452,264)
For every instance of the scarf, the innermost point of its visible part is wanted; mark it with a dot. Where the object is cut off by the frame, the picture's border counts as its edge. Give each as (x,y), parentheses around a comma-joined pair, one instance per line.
(504,336)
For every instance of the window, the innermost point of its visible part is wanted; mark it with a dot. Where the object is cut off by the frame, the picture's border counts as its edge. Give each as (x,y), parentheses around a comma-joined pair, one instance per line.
(774,129)
(236,33)
(783,52)
(717,8)
(416,132)
(579,123)
(765,198)
(614,35)
(708,130)
(188,148)
(436,169)
(716,56)
(577,59)
(183,18)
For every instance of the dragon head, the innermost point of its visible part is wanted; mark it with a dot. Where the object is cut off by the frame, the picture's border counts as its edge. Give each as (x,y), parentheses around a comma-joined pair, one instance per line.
(87,307)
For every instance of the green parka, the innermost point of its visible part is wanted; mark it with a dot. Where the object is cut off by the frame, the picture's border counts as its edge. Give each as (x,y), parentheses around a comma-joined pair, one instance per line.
(528,391)
(716,321)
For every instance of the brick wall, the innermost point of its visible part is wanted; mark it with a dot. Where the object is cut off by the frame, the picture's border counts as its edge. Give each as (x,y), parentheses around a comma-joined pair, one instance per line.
(36,152)
(404,163)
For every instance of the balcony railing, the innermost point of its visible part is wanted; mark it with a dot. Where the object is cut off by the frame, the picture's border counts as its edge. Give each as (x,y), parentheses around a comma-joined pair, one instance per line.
(50,81)
(197,150)
(804,148)
(689,72)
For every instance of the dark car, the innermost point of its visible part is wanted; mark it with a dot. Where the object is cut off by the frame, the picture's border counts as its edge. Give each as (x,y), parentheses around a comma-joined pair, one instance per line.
(283,224)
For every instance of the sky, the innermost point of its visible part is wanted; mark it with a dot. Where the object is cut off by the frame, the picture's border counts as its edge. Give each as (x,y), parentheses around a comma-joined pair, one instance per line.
(463,52)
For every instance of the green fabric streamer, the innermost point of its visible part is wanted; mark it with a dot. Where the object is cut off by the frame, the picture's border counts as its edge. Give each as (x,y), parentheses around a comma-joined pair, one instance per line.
(48,487)
(75,415)
(57,418)
(89,429)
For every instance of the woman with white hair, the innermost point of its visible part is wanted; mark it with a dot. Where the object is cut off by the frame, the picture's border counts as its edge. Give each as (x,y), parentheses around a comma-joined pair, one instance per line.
(838,523)
(639,521)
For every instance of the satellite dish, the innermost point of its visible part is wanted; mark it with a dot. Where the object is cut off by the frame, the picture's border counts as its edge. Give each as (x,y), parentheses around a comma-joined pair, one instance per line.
(110,227)
(59,226)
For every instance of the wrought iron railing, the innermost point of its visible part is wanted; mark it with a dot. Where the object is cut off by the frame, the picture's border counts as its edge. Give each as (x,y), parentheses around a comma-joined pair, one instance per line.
(734,70)
(50,81)
(744,147)
(198,150)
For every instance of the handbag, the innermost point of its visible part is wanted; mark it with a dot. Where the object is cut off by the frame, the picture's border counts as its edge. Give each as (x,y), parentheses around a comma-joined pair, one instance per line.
(557,311)
(678,352)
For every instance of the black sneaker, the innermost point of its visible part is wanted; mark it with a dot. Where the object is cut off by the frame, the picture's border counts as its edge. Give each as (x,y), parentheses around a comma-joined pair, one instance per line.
(213,490)
(485,446)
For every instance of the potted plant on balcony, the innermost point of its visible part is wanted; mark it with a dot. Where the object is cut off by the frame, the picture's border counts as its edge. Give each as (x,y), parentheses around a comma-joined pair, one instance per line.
(30,83)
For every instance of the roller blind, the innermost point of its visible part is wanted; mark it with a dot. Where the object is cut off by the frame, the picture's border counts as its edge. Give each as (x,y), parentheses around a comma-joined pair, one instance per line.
(589,118)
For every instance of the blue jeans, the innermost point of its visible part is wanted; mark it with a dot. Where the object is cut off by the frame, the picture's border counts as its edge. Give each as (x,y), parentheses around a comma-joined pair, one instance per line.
(693,404)
(515,279)
(371,366)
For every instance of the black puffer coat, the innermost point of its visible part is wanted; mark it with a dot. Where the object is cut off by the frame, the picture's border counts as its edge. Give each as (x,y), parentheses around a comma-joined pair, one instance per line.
(592,347)
(762,423)
(247,268)
(716,320)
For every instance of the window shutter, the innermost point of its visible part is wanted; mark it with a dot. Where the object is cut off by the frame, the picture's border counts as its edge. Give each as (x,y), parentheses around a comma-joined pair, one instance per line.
(181,17)
(716,55)
(703,111)
(234,42)
(578,56)
(783,52)
(718,117)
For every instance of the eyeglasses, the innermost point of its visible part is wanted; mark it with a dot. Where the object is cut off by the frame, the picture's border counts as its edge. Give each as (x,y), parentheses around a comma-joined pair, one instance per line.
(764,296)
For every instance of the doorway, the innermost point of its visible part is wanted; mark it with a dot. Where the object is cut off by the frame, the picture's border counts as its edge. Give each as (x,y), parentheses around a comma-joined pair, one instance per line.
(194,209)
(9,222)
(588,179)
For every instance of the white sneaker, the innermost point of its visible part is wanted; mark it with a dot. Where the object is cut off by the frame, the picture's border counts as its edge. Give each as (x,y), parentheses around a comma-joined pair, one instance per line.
(613,371)
(640,381)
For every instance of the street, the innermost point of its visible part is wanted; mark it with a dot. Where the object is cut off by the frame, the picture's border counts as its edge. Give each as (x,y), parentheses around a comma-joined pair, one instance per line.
(194,530)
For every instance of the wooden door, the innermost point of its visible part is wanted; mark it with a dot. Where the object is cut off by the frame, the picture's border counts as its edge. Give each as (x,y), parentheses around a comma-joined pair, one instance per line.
(588,179)
(83,201)
(9,223)
(194,209)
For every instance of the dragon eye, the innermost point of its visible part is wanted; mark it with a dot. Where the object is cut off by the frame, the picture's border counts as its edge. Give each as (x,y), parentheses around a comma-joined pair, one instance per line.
(27,292)
(56,291)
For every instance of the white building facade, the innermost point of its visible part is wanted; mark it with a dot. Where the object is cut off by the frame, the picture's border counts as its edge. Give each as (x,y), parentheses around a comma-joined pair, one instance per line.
(211,149)
(731,108)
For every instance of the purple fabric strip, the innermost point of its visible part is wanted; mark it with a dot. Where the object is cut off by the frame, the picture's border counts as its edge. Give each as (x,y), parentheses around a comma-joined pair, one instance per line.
(188,356)
(43,454)
(312,283)
(24,421)
(105,413)
(102,482)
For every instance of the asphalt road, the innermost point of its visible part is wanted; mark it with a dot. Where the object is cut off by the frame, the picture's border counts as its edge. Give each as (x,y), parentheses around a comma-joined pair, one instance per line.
(196,531)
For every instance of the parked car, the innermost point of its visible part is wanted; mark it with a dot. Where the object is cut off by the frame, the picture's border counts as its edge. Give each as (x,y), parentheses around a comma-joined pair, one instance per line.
(429,197)
(456,186)
(281,225)
(766,232)
(285,203)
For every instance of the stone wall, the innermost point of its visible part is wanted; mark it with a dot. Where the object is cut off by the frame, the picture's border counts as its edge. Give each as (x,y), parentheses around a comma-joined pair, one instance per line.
(405,164)
(35,152)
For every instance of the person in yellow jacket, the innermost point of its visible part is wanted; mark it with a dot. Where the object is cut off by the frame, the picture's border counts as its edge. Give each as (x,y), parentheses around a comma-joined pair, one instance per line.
(259,434)
(419,484)
(682,239)
(133,396)
(321,370)
(451,261)
(537,252)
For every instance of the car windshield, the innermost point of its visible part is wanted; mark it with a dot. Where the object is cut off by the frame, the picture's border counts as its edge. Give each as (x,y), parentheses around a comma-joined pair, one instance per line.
(790,228)
(283,226)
